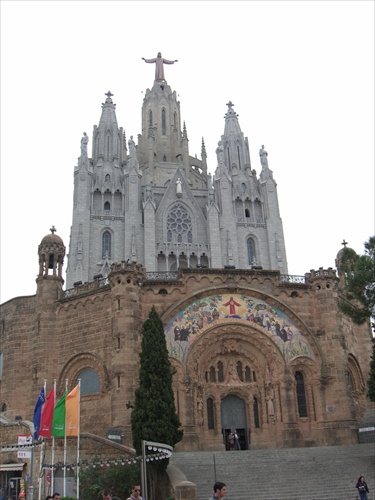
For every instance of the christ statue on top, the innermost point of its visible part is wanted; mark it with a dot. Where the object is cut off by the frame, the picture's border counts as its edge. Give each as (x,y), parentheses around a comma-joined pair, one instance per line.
(159,66)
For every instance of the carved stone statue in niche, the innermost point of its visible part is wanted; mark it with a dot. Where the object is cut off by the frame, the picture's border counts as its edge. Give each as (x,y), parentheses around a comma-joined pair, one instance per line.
(232,372)
(270,395)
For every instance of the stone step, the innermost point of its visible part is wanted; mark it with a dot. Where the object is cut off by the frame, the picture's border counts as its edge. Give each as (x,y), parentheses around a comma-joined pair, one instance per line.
(319,473)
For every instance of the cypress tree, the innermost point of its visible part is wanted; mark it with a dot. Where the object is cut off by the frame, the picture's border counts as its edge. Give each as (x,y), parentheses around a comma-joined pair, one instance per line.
(154,416)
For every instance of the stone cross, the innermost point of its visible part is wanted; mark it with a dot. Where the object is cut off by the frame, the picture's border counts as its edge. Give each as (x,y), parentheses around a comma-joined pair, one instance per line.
(344,243)
(53,230)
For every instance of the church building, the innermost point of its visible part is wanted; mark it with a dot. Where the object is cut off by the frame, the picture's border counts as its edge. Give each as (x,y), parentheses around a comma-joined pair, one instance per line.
(253,348)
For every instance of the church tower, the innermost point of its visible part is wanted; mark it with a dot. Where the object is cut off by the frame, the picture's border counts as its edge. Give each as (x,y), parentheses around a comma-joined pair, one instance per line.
(155,205)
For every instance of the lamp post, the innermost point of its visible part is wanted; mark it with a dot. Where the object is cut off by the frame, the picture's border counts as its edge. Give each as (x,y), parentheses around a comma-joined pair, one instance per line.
(30,426)
(165,449)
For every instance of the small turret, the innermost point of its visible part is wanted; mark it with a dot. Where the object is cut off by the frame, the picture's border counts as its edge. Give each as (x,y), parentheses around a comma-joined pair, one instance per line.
(51,253)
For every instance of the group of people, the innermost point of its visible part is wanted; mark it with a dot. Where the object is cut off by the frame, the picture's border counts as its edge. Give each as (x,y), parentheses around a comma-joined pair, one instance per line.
(220,490)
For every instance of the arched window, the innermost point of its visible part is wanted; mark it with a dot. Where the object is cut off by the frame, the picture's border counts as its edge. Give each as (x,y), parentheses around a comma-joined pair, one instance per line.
(163,123)
(251,251)
(90,383)
(210,414)
(169,235)
(247,213)
(212,374)
(301,395)
(164,158)
(3,407)
(247,374)
(220,372)
(107,178)
(256,412)
(106,244)
(150,121)
(107,206)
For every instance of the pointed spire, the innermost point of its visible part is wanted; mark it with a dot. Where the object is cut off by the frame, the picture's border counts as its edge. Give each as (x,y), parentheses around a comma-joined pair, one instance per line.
(203,151)
(184,132)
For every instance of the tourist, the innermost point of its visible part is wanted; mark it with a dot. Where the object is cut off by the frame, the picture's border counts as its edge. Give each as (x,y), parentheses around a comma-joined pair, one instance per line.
(136,493)
(220,490)
(362,488)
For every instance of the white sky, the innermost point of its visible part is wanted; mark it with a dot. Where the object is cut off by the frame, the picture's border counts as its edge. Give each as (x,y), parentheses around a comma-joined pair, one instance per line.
(300,74)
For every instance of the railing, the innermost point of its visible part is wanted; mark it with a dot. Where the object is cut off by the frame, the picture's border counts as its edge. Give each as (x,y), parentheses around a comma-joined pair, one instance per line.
(162,276)
(85,287)
(288,278)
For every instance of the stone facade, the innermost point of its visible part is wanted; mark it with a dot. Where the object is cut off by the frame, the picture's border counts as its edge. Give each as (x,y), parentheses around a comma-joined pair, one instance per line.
(253,348)
(156,205)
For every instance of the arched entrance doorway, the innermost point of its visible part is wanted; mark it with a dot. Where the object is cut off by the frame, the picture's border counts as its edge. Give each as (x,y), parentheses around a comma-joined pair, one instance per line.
(233,417)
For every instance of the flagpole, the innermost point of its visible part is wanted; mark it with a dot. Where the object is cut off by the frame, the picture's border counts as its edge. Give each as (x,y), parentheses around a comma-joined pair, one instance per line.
(53,446)
(78,437)
(64,489)
(41,456)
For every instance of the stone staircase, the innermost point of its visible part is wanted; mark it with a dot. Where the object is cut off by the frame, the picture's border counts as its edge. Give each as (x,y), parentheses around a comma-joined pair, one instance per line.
(319,473)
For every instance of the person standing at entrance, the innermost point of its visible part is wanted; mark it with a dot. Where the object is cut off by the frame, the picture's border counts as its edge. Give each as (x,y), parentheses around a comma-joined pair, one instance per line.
(237,445)
(220,490)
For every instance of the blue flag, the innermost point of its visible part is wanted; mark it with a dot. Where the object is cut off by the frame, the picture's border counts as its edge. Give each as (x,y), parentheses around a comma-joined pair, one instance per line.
(38,412)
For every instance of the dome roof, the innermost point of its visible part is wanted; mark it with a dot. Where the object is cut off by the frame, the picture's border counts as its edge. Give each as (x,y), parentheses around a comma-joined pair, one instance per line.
(51,238)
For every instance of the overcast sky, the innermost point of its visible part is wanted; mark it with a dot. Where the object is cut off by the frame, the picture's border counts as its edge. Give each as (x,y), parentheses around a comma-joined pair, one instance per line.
(300,75)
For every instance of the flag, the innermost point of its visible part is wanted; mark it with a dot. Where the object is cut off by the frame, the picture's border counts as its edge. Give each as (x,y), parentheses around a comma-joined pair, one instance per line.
(47,415)
(72,412)
(58,421)
(38,412)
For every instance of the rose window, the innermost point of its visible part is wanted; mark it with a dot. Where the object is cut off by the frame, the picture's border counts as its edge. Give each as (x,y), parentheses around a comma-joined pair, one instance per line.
(179,225)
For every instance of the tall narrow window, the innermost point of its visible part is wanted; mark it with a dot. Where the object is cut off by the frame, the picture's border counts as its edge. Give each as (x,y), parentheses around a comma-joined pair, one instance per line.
(301,395)
(250,251)
(106,244)
(239,157)
(163,123)
(212,374)
(239,370)
(256,412)
(210,414)
(150,118)
(107,206)
(247,374)
(247,213)
(220,372)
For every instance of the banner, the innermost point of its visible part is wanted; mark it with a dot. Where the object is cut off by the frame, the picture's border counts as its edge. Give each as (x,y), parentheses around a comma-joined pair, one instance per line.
(58,421)
(38,412)
(47,415)
(72,412)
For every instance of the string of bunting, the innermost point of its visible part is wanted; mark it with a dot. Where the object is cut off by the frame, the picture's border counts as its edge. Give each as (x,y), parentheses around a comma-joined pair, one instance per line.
(162,455)
(17,447)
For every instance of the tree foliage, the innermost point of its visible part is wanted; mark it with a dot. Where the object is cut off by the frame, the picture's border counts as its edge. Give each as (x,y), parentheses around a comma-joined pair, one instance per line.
(371,380)
(359,271)
(154,416)
(117,478)
(359,302)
